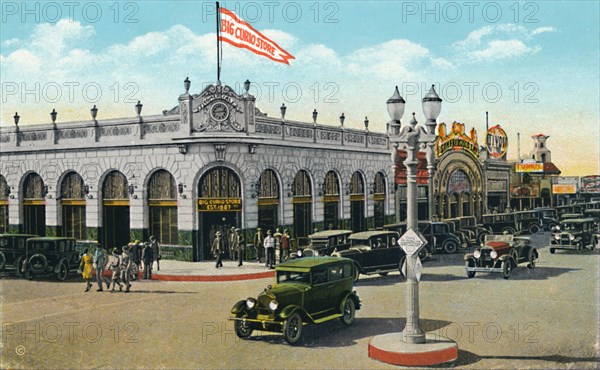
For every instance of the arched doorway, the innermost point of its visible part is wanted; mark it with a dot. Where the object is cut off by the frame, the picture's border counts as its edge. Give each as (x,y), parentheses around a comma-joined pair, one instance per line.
(267,190)
(302,201)
(219,208)
(331,201)
(379,200)
(115,211)
(72,206)
(4,193)
(357,202)
(34,208)
(162,207)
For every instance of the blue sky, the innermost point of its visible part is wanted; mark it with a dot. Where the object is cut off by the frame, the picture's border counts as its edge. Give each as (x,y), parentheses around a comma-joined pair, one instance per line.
(533,65)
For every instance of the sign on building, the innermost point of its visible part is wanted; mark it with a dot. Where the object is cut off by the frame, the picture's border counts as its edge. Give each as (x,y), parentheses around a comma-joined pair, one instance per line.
(565,185)
(529,167)
(456,140)
(496,142)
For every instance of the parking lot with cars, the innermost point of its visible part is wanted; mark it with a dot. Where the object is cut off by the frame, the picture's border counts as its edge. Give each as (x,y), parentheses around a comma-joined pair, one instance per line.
(546,317)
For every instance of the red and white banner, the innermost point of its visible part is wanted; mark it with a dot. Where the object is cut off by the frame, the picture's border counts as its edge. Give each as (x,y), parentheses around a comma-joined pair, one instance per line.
(240,34)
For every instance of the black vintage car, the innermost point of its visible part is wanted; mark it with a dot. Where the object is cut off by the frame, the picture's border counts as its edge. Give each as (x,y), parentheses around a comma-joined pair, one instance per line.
(468,225)
(306,291)
(529,221)
(50,256)
(575,234)
(548,217)
(323,243)
(12,251)
(501,253)
(374,252)
(500,223)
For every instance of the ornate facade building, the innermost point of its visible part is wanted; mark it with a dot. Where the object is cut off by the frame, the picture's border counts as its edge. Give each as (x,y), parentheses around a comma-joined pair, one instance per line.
(213,161)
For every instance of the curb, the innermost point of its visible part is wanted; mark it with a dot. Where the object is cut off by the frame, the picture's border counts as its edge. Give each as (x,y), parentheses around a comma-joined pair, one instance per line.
(214,278)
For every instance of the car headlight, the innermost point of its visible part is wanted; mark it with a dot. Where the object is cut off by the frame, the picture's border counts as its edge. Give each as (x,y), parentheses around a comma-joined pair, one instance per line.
(494,254)
(557,236)
(250,303)
(273,305)
(571,237)
(299,252)
(316,253)
(477,253)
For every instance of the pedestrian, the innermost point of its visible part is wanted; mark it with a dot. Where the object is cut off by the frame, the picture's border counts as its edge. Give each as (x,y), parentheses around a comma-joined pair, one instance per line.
(85,268)
(126,267)
(115,266)
(258,243)
(277,237)
(241,247)
(148,258)
(285,245)
(217,249)
(100,260)
(232,244)
(155,252)
(269,244)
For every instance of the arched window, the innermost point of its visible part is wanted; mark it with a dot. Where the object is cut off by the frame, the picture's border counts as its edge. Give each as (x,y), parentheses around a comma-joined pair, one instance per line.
(267,190)
(331,200)
(34,210)
(357,202)
(4,193)
(115,211)
(162,207)
(379,200)
(220,182)
(302,201)
(72,202)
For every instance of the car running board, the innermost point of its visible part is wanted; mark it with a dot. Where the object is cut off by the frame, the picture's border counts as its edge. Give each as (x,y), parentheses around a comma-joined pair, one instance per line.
(327,318)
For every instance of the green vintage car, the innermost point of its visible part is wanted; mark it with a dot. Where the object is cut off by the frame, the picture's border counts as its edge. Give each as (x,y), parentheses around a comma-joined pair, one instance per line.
(309,290)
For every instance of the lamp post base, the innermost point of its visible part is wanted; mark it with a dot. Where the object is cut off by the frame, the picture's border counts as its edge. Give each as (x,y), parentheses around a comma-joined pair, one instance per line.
(391,349)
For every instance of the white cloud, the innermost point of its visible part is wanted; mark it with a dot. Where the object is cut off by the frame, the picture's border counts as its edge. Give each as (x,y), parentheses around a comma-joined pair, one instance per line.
(11,42)
(502,49)
(539,30)
(495,42)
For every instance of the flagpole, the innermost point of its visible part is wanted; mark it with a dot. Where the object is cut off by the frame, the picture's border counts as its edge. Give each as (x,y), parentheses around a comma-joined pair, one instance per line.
(218,46)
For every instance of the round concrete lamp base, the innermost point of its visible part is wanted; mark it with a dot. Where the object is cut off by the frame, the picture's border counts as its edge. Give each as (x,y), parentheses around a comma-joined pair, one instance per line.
(391,349)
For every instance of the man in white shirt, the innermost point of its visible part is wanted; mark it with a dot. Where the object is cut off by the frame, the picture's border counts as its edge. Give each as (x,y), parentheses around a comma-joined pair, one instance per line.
(269,244)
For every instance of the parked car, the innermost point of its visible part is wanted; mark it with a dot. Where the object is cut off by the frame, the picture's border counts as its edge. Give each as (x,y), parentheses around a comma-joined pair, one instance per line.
(569,208)
(570,216)
(12,251)
(500,223)
(548,217)
(575,234)
(464,240)
(374,252)
(529,221)
(468,225)
(50,256)
(592,213)
(307,290)
(323,243)
(501,253)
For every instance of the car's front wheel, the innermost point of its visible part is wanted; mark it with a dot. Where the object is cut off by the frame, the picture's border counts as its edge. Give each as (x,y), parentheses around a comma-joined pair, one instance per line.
(349,312)
(292,328)
(242,328)
(532,258)
(38,263)
(356,273)
(470,263)
(506,268)
(552,250)
(63,271)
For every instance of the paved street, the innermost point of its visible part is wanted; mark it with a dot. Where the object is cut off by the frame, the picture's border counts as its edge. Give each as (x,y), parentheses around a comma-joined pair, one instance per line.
(541,318)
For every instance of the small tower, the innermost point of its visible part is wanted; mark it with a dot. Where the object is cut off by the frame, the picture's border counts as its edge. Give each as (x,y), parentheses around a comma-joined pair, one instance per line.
(540,152)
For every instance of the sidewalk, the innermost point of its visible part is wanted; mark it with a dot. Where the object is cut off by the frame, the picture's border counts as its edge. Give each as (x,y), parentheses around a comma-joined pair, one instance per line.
(205,271)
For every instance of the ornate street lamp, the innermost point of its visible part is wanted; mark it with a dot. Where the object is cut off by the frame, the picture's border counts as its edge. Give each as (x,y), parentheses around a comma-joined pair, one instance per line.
(247,86)
(186,84)
(314,115)
(366,124)
(410,346)
(342,119)
(138,108)
(282,109)
(17,118)
(53,115)
(94,112)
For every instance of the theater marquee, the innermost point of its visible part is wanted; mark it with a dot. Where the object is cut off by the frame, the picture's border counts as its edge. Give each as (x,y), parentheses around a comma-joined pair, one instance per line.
(496,142)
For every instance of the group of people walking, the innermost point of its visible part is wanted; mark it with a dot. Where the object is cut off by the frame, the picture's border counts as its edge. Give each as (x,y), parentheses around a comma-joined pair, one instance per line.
(234,243)
(124,265)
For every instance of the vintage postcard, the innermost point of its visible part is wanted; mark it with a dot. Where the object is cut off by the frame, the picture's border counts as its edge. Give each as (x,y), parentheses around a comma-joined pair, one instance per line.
(299,184)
